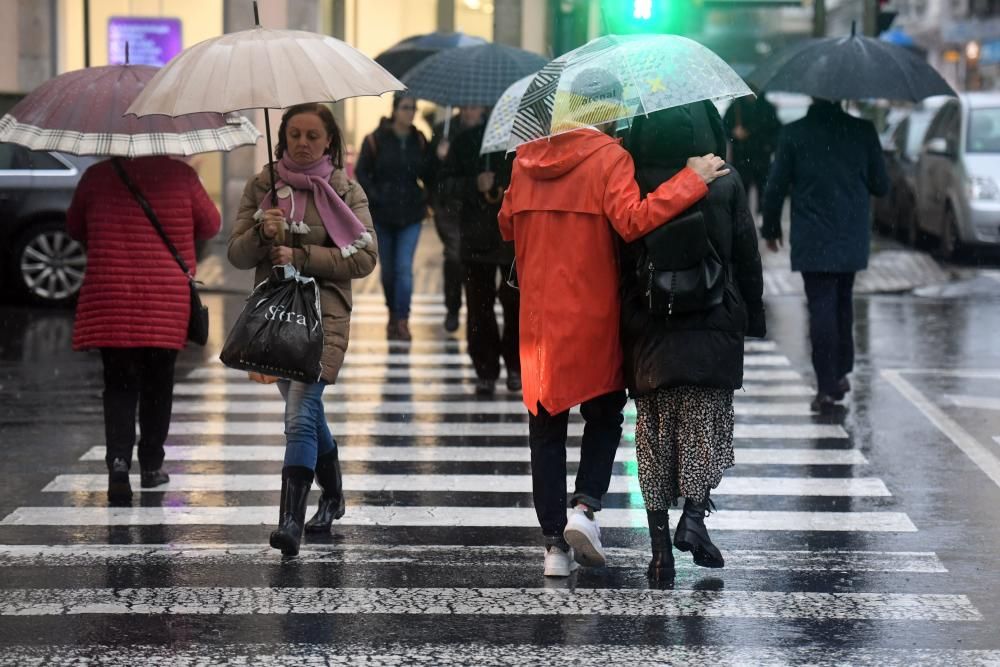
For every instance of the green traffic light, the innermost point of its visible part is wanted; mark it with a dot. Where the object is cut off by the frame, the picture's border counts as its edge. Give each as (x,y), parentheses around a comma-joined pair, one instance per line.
(626,17)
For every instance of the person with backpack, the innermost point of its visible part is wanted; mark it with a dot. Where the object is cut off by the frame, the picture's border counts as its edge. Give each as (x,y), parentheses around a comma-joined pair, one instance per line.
(691,291)
(392,167)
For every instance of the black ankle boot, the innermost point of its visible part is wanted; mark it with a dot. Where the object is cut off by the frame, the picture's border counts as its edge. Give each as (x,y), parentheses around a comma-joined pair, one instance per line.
(692,535)
(331,502)
(661,567)
(295,483)
(119,486)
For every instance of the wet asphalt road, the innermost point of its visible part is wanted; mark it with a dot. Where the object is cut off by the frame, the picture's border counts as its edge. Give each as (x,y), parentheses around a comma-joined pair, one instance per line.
(865,537)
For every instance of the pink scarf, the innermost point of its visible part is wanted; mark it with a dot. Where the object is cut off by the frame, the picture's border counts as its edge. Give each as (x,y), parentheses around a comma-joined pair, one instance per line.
(339,220)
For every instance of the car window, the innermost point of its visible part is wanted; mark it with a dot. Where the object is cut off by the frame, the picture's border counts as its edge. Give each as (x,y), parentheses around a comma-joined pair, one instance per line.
(45,160)
(951,126)
(918,125)
(940,122)
(13,157)
(899,136)
(984,131)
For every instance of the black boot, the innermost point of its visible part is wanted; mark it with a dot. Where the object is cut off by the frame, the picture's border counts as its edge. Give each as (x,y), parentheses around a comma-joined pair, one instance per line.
(119,486)
(331,502)
(295,483)
(661,567)
(692,535)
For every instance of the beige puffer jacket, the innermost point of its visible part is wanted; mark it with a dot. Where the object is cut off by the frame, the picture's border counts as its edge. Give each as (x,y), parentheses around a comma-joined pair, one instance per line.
(316,257)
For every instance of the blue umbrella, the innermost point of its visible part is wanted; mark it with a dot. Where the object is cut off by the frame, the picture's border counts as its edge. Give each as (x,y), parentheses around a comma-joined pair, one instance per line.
(473,76)
(403,56)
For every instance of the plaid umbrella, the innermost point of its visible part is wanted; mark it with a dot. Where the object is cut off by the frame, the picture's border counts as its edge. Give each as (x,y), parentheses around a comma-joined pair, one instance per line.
(614,78)
(471,76)
(82,112)
(404,55)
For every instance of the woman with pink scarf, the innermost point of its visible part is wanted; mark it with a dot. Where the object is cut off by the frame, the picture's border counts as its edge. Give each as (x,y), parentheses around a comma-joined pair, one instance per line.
(317,220)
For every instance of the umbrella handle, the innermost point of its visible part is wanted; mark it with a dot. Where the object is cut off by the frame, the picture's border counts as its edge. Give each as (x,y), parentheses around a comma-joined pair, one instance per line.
(270,158)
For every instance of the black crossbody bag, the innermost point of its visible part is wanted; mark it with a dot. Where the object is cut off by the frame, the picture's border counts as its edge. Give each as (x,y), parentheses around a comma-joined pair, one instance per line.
(197,331)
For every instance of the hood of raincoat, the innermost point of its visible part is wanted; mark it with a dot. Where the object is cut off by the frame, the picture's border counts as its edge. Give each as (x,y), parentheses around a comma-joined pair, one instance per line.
(553,157)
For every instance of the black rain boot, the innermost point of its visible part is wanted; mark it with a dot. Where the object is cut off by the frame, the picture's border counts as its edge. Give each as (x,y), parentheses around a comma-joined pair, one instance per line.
(661,567)
(295,483)
(692,535)
(331,502)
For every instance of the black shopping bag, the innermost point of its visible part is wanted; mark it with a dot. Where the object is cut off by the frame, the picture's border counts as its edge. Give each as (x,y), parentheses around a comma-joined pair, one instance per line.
(280,331)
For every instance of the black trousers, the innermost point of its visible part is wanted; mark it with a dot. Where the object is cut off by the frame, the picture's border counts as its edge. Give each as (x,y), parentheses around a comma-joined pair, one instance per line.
(831,326)
(140,377)
(448,226)
(547,438)
(753,173)
(486,344)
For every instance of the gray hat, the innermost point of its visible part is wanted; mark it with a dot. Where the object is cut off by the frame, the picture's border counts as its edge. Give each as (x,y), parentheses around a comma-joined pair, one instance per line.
(597,84)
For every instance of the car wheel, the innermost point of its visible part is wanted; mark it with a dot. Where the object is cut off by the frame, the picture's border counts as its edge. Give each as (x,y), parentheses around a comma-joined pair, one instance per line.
(48,264)
(949,244)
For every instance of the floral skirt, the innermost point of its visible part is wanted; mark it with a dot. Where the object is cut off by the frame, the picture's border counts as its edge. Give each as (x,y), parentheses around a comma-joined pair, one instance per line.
(683,442)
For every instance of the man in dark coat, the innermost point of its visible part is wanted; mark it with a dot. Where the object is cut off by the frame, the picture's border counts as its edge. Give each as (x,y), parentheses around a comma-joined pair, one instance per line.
(753,127)
(446,206)
(832,164)
(477,183)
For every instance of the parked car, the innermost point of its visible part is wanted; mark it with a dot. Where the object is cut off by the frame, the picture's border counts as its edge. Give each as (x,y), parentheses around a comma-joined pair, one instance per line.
(901,145)
(42,262)
(958,174)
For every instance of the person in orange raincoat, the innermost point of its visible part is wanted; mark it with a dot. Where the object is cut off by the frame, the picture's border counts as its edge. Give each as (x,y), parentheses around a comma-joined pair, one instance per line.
(571,198)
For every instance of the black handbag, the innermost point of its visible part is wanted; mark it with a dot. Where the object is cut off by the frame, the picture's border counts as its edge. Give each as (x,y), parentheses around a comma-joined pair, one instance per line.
(197,331)
(684,273)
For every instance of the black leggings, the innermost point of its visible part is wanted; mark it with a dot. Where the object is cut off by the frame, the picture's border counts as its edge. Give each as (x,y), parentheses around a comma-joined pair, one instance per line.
(143,377)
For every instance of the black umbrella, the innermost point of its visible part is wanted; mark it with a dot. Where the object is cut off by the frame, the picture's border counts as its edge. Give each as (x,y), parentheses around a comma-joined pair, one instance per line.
(402,56)
(850,68)
(473,76)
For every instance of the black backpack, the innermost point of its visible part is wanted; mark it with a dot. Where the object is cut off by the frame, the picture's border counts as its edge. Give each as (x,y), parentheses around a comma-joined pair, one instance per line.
(683,271)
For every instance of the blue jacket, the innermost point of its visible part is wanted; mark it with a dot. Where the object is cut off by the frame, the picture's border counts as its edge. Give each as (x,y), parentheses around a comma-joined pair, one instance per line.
(832,164)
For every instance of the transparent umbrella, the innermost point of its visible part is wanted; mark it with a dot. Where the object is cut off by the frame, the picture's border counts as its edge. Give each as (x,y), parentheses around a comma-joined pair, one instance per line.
(613,78)
(501,120)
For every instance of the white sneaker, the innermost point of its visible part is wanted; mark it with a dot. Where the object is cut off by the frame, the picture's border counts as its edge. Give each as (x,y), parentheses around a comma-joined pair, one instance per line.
(558,563)
(584,535)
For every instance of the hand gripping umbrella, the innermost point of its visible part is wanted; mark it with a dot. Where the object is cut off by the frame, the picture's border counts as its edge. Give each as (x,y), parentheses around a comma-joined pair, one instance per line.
(262,69)
(850,68)
(624,76)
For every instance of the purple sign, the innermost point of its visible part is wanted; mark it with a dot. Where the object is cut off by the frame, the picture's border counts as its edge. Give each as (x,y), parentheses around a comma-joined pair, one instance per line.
(151,41)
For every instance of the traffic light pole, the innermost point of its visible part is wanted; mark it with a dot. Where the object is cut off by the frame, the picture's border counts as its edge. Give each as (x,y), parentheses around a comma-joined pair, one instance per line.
(819,18)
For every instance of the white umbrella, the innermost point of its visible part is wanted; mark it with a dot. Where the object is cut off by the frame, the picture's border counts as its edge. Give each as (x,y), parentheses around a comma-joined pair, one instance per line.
(262,69)
(497,132)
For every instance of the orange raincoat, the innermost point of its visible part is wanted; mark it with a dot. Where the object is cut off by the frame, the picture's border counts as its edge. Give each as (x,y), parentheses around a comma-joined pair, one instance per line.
(568,197)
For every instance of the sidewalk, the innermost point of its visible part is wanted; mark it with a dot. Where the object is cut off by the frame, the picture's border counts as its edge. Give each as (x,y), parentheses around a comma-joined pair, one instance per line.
(892,268)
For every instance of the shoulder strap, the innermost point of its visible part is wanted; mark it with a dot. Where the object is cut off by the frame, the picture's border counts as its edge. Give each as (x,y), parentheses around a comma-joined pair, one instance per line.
(149,214)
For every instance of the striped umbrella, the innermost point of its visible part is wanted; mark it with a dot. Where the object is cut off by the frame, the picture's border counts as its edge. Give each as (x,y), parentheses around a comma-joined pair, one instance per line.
(501,120)
(82,113)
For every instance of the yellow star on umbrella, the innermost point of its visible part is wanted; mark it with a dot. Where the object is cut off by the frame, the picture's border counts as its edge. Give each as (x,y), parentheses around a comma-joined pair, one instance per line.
(656,85)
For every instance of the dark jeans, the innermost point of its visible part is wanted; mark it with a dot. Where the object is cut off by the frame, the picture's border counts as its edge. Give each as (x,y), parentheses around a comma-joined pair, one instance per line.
(307,435)
(486,344)
(448,224)
(831,326)
(143,377)
(547,438)
(753,173)
(396,248)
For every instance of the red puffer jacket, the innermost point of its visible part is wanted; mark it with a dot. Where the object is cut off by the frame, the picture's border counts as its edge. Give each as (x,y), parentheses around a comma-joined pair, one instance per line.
(134,293)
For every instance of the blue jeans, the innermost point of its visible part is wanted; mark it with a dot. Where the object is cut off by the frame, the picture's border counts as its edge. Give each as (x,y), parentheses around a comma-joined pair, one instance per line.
(307,434)
(396,248)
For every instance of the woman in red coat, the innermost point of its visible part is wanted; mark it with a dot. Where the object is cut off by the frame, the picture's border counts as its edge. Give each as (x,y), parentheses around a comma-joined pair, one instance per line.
(135,300)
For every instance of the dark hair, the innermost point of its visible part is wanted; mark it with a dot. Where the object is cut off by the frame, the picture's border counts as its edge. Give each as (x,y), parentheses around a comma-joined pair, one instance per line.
(336,148)
(397,99)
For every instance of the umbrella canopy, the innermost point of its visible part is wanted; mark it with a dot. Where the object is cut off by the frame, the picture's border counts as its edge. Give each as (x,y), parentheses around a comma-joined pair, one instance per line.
(471,76)
(261,69)
(615,77)
(81,112)
(401,57)
(850,68)
(497,132)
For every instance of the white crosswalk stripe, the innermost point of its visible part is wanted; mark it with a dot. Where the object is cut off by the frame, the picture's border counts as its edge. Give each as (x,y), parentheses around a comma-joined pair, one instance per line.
(433,477)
